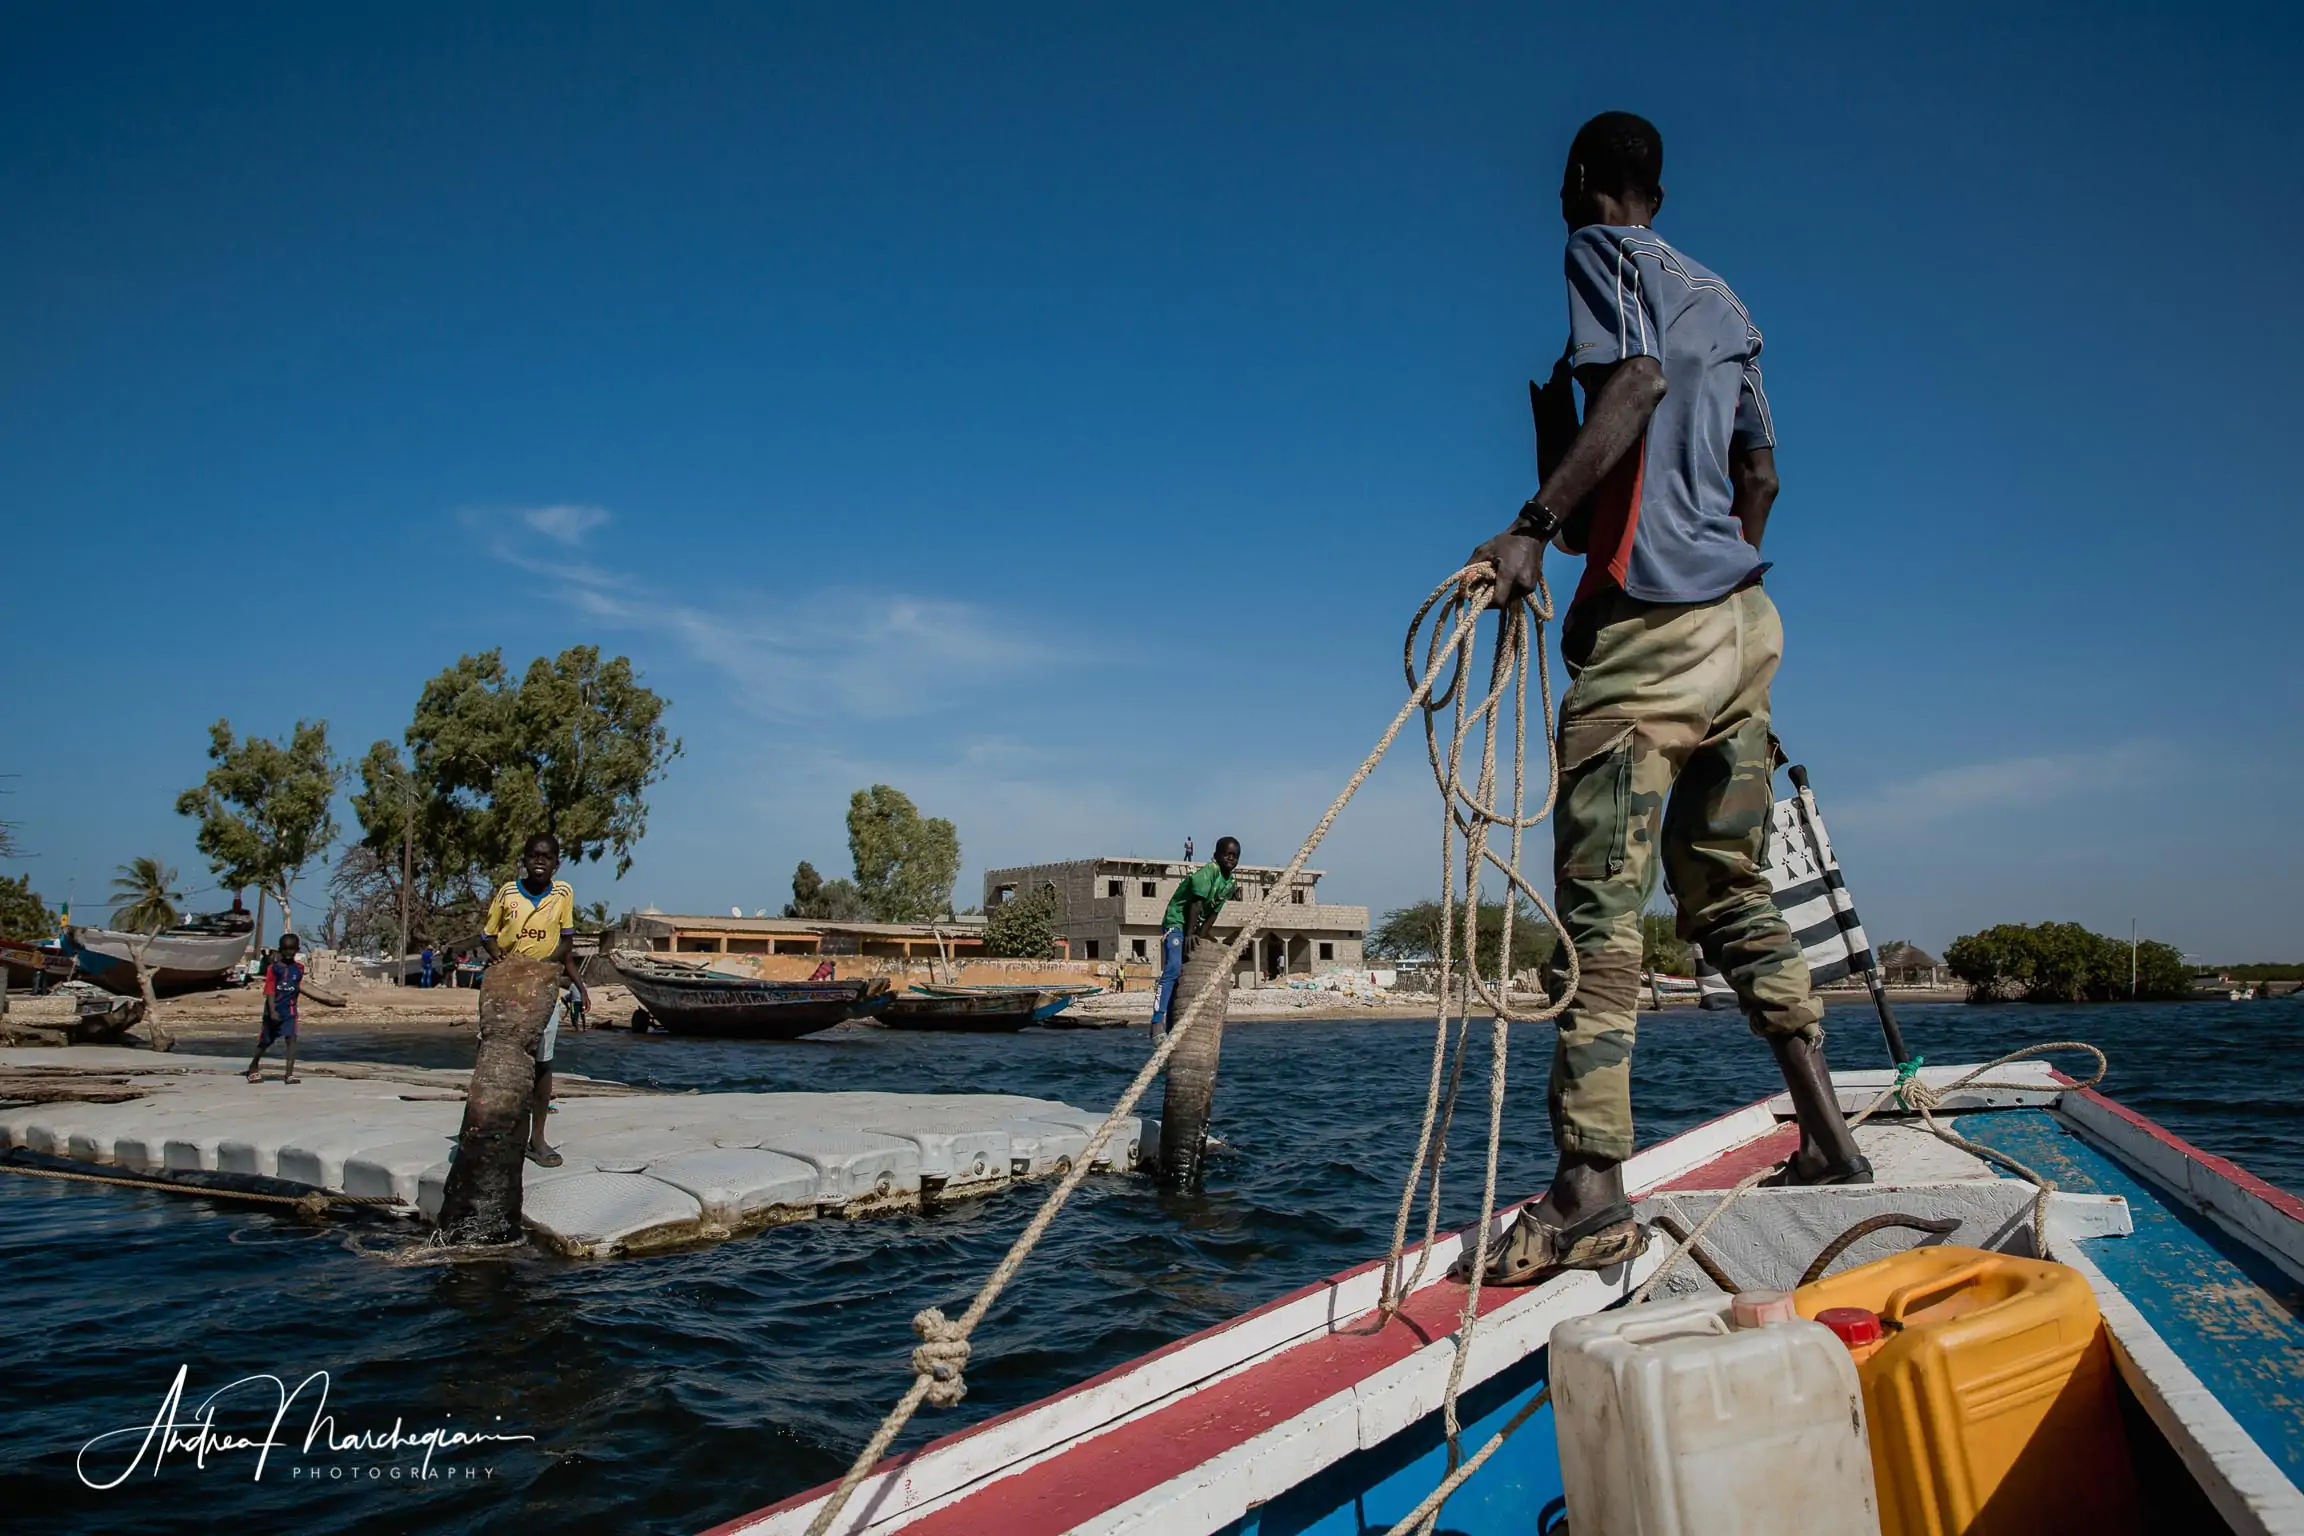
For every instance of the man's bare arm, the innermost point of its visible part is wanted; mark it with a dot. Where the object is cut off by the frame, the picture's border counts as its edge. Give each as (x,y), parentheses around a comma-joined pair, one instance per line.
(1621,407)
(1753,473)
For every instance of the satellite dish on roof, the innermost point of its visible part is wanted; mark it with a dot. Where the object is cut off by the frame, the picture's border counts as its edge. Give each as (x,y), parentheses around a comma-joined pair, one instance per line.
(735,911)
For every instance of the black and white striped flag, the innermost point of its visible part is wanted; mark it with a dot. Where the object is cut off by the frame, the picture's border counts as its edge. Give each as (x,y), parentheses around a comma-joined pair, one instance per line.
(1804,879)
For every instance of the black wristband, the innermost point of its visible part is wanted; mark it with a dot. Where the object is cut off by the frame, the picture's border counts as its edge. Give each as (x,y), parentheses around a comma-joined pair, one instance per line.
(1536,521)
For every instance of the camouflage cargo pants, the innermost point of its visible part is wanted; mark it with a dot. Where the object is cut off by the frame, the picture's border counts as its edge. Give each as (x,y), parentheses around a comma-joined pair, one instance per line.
(1664,751)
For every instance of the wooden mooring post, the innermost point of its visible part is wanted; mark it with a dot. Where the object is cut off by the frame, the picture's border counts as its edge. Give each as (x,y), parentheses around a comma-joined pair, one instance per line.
(481,1200)
(1191,1088)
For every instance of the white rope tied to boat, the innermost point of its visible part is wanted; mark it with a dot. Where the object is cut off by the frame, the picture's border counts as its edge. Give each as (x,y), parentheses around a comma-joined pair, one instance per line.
(941,1357)
(1473,585)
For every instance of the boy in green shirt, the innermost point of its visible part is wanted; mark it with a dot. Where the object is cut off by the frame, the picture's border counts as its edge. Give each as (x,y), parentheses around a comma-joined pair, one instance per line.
(1191,912)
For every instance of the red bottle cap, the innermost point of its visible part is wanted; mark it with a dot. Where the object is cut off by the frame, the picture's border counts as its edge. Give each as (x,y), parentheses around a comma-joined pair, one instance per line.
(1854,1325)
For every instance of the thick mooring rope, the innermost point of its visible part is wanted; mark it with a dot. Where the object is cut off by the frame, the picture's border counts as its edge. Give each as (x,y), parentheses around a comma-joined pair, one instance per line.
(315,1203)
(940,1361)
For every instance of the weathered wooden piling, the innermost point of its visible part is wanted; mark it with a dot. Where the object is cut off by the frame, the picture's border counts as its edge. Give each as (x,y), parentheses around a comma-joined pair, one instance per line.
(1191,1089)
(481,1202)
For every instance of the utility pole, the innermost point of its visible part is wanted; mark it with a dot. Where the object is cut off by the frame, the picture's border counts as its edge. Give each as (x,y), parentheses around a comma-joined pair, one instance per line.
(407,858)
(2131,959)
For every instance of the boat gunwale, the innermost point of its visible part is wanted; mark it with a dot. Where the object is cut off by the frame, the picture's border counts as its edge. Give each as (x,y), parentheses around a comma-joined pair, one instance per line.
(2251,1491)
(2238,1476)
(2265,1218)
(1340,1303)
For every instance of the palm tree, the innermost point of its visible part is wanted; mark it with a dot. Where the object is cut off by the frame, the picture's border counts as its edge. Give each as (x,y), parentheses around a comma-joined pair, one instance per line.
(143,896)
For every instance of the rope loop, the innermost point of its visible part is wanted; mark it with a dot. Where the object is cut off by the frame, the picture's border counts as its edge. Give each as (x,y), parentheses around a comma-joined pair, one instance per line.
(941,1357)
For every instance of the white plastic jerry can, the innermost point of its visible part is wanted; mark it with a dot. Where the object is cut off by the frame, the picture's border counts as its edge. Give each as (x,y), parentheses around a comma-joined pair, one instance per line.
(1674,1421)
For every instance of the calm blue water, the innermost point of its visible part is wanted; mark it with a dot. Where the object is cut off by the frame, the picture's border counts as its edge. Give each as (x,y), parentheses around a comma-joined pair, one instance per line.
(672,1392)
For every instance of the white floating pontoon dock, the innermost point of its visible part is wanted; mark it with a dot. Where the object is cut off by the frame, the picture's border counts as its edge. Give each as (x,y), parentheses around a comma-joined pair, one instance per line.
(640,1171)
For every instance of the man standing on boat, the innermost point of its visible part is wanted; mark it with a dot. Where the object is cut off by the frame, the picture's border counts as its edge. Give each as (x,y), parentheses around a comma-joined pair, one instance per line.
(1665,755)
(535,915)
(1191,912)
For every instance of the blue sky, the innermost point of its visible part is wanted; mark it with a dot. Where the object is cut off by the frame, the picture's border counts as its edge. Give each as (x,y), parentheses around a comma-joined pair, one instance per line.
(1058,411)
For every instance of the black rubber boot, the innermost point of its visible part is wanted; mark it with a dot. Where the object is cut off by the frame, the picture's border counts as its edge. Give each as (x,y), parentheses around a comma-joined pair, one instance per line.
(1827,1152)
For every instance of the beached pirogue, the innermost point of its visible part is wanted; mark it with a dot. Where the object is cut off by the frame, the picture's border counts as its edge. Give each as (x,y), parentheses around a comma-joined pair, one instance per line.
(194,954)
(978,1010)
(2150,1377)
(688,1000)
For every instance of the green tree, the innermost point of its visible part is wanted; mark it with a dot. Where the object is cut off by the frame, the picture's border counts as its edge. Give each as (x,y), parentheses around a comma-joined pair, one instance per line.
(905,862)
(1023,927)
(2265,970)
(568,747)
(1661,947)
(832,900)
(2161,972)
(23,915)
(263,809)
(1413,933)
(448,882)
(2062,963)
(144,897)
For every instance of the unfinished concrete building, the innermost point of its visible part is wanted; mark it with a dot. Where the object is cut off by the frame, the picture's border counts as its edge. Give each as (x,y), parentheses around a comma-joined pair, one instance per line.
(1111,909)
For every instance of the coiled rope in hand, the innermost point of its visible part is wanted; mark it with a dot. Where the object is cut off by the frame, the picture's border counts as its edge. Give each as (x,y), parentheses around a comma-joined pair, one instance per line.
(1470,814)
(938,1363)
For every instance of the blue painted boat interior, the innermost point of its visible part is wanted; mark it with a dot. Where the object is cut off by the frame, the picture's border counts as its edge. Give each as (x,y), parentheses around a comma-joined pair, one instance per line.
(2230,1314)
(1516,1492)
(2227,1311)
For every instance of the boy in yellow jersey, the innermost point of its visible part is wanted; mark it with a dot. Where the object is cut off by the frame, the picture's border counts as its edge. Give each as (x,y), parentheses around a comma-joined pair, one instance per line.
(535,916)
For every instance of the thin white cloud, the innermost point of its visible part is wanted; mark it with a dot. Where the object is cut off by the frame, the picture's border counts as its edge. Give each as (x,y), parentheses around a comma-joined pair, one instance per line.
(2016,783)
(832,655)
(565,524)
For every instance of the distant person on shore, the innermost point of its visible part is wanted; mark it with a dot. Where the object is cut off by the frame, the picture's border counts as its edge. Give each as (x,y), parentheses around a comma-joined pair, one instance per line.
(424,968)
(1670,643)
(535,915)
(1191,912)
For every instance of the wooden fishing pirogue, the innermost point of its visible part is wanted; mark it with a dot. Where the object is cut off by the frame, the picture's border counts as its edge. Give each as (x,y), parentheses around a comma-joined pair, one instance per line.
(693,1001)
(1323,1411)
(1314,1414)
(990,1009)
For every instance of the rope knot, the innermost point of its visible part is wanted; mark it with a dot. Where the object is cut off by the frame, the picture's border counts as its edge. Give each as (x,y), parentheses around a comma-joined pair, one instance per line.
(940,1357)
(1917,1095)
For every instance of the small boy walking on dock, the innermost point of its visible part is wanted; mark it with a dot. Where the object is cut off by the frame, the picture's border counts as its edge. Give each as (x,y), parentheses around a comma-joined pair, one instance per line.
(535,915)
(1191,912)
(283,995)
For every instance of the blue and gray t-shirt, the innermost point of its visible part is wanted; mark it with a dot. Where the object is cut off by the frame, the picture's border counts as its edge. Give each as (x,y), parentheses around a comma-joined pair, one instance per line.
(1662,524)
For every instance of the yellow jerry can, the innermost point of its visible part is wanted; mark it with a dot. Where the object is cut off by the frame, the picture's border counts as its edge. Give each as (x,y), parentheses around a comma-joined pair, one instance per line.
(1990,1402)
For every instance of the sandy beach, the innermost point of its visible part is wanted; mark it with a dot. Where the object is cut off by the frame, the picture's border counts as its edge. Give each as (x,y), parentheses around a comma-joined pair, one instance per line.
(373,1010)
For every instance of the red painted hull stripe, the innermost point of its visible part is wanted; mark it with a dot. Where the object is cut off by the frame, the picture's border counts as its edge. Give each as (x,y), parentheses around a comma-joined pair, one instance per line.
(1104,1472)
(1723,1171)
(2279,1199)
(1434,1308)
